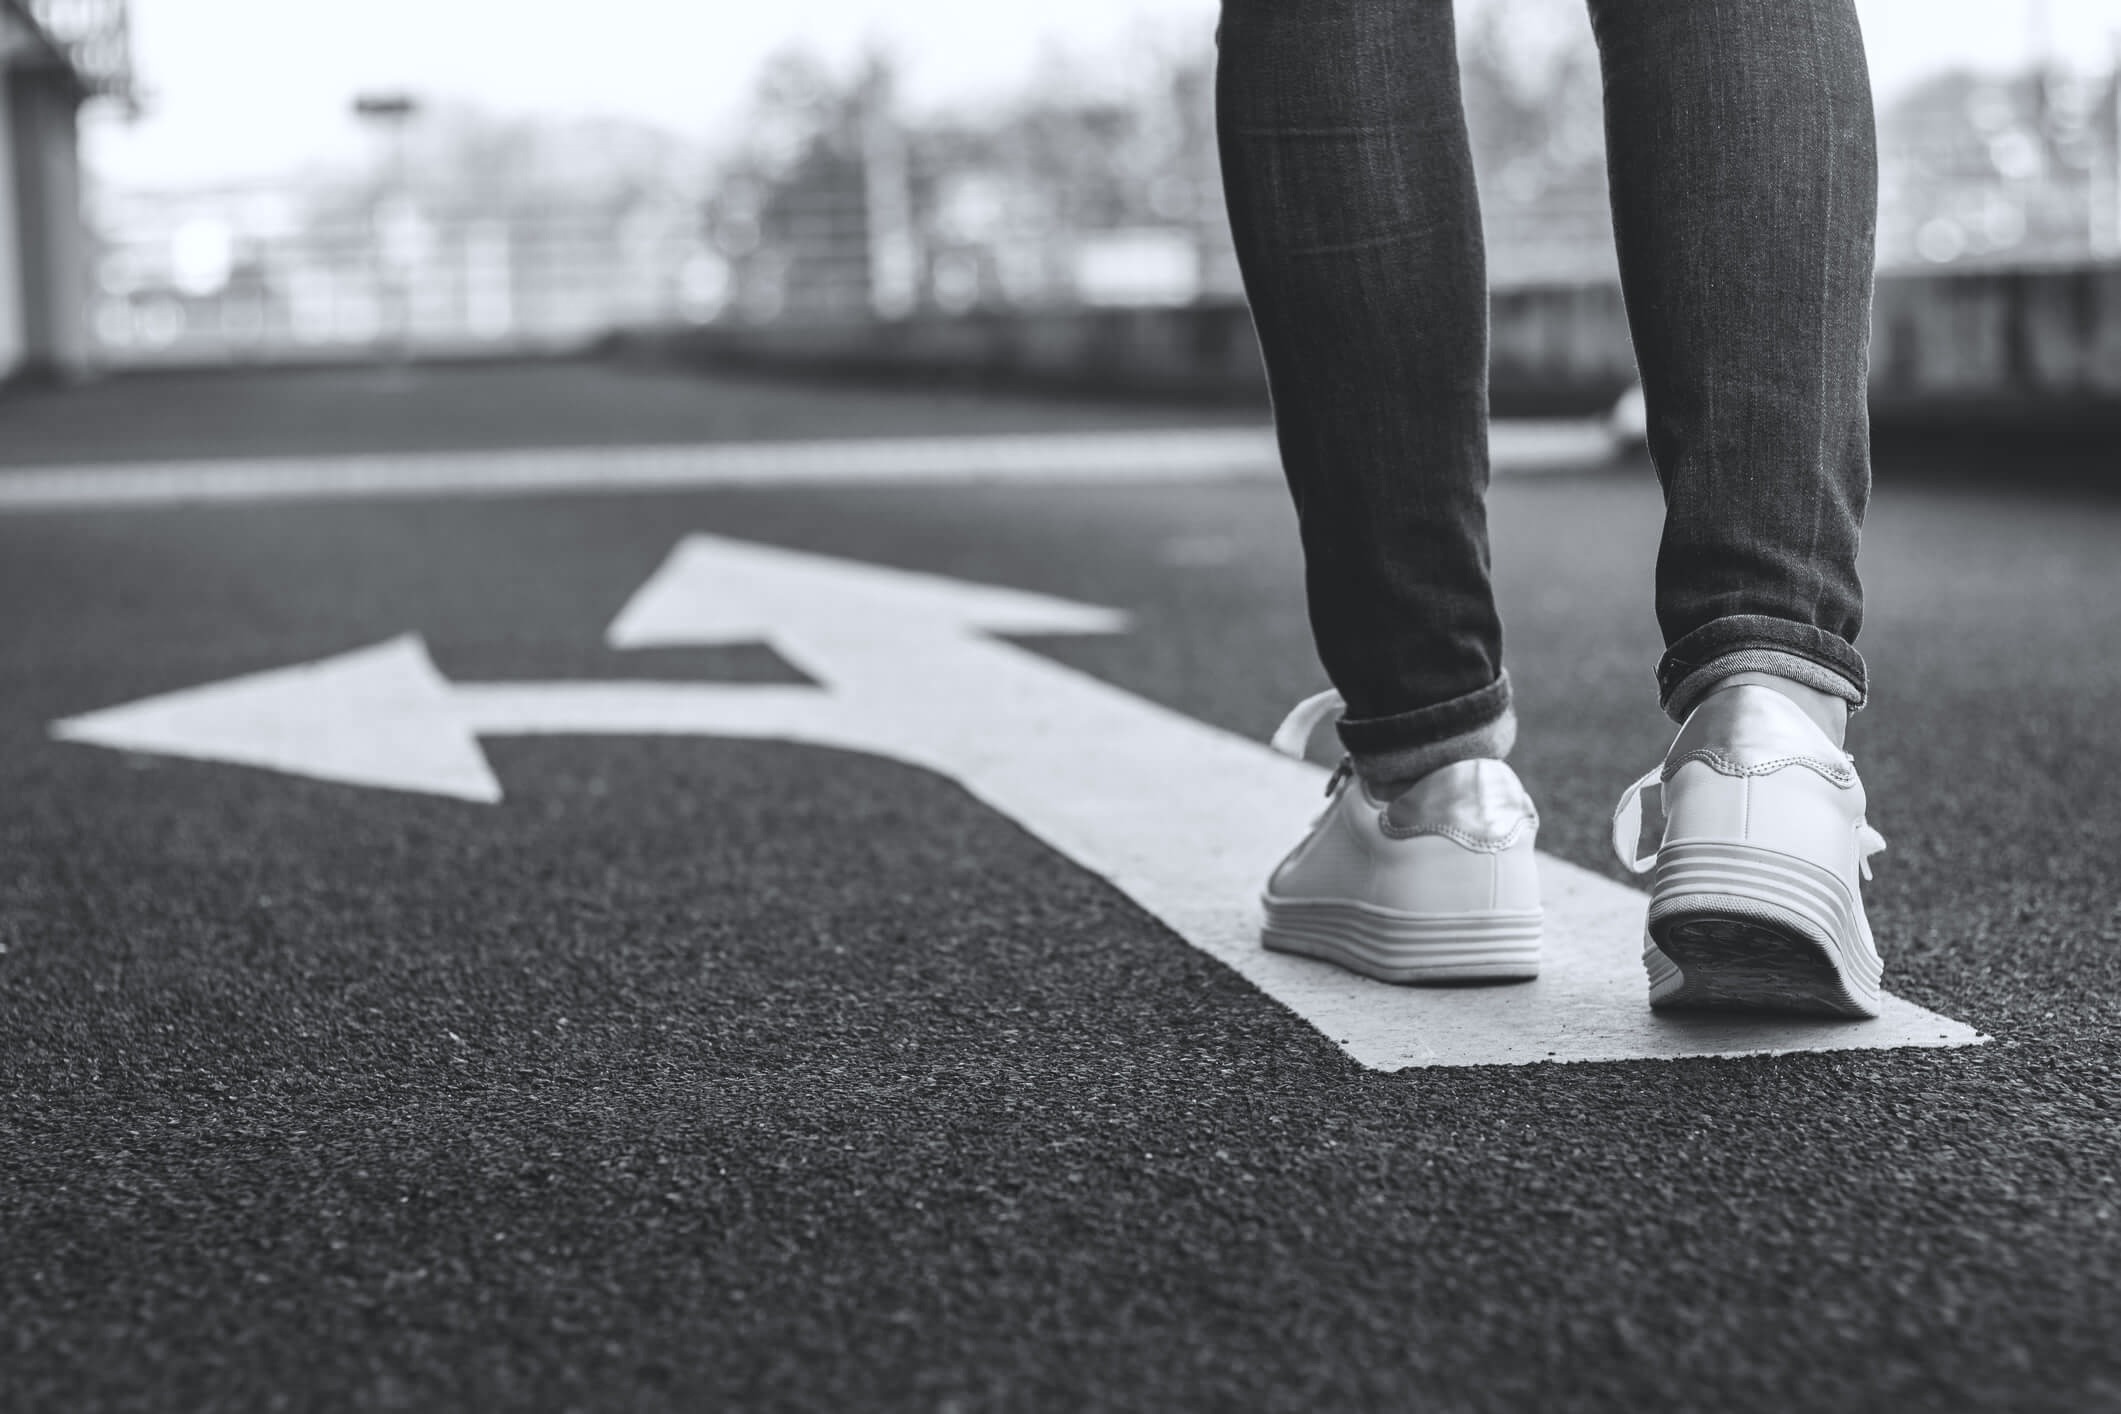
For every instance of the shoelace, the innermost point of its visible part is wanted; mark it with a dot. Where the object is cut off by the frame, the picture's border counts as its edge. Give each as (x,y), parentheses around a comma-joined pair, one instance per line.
(1628,833)
(1293,736)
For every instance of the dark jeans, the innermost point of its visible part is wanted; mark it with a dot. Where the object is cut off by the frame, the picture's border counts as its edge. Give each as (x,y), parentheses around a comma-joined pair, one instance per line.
(1742,158)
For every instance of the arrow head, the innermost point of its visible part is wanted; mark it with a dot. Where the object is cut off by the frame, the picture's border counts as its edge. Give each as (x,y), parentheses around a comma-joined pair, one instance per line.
(380,716)
(713,590)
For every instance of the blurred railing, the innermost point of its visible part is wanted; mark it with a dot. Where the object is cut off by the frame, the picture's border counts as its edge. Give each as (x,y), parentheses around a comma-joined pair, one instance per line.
(250,276)
(236,277)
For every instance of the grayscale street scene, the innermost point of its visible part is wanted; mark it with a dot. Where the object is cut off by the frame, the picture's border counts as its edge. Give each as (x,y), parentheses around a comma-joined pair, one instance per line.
(806,709)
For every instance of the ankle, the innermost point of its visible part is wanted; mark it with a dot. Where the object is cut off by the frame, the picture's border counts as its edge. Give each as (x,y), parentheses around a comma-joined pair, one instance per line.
(1386,775)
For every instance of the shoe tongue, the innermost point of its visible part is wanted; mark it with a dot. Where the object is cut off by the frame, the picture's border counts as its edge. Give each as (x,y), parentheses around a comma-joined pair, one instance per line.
(1479,797)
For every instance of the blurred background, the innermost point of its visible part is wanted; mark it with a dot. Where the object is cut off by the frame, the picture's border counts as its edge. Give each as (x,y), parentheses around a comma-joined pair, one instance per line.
(851,182)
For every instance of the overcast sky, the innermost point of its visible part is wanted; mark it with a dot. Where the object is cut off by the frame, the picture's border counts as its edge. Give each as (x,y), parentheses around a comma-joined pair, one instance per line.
(241,90)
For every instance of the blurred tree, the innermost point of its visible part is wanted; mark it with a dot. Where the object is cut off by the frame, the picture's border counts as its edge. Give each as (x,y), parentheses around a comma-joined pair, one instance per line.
(1529,70)
(798,106)
(796,205)
(1998,167)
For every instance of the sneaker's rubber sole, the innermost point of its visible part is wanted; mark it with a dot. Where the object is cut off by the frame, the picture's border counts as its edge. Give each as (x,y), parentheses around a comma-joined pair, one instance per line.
(1407,947)
(1733,927)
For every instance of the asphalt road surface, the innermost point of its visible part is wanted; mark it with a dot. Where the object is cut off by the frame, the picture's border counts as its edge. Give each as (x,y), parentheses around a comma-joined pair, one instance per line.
(713,1074)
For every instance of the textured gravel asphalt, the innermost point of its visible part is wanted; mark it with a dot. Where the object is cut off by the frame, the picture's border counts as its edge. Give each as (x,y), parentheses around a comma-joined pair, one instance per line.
(711,1075)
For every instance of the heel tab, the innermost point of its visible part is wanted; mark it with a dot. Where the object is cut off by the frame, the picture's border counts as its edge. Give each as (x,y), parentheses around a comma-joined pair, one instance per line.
(1478,802)
(1746,726)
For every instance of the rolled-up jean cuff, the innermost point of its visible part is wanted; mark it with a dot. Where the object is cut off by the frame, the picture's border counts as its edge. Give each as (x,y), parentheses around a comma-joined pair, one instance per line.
(1741,643)
(1410,745)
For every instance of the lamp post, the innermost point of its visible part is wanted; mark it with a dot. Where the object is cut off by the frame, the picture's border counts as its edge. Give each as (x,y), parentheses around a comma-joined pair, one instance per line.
(392,113)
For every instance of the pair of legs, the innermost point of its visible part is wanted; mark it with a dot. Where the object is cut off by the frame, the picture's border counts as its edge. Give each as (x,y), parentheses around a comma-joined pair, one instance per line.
(1742,159)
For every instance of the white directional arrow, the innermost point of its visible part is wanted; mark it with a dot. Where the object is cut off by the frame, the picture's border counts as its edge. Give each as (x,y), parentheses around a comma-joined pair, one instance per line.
(379,717)
(1184,818)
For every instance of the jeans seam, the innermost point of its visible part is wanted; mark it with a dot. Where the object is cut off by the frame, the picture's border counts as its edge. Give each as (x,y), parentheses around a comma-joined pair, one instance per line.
(1826,288)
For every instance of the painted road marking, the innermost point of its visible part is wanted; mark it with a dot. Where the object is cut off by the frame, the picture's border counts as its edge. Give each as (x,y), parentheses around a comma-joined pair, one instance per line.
(1152,456)
(1184,818)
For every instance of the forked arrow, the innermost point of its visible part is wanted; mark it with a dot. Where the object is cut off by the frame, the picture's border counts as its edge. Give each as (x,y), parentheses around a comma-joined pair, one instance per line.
(1184,818)
(884,642)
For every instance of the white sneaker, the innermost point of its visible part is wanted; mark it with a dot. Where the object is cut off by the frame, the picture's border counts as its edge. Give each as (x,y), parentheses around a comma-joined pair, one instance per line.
(1756,831)
(1436,885)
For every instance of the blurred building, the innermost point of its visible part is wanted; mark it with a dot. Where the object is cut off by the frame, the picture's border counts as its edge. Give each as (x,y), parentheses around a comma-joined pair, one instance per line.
(54,55)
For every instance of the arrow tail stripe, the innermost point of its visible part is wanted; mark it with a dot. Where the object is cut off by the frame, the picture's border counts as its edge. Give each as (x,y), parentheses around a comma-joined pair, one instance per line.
(650,709)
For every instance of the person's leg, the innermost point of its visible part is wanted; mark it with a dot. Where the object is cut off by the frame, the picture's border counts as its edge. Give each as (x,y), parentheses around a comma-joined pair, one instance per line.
(1351,197)
(1744,171)
(1743,160)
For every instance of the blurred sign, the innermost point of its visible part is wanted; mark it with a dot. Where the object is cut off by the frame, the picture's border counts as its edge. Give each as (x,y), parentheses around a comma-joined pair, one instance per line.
(385,105)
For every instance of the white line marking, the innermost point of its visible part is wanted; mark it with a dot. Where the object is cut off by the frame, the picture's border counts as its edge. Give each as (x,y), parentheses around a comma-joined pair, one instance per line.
(1156,455)
(1184,818)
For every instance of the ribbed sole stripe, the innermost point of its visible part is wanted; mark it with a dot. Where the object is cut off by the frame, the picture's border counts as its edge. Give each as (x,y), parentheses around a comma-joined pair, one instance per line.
(1711,876)
(1406,947)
